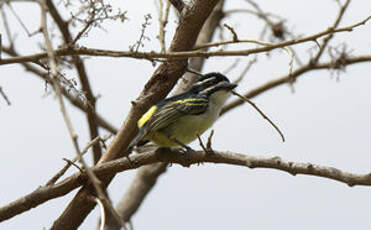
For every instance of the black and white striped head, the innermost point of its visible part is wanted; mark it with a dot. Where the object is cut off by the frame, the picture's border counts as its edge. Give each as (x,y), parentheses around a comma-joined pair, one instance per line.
(211,83)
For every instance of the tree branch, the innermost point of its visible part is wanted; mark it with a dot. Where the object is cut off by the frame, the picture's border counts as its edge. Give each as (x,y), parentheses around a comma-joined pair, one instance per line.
(327,39)
(46,193)
(337,64)
(180,55)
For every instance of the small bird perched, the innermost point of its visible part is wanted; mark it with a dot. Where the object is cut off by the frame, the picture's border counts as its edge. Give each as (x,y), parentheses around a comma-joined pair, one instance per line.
(178,120)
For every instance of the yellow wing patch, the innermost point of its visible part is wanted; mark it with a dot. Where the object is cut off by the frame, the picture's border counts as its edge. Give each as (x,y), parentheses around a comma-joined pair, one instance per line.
(146,116)
(185,101)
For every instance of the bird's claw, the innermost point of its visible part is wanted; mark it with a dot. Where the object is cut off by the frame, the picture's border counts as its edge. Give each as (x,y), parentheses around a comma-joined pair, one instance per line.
(187,151)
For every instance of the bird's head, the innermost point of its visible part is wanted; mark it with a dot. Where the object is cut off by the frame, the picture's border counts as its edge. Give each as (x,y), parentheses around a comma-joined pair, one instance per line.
(211,83)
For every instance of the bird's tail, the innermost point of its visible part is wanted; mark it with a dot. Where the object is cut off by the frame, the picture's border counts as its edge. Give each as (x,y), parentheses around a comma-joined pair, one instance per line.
(138,140)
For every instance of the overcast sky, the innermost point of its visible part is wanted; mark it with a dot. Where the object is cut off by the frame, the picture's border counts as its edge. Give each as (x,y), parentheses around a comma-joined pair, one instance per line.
(326,121)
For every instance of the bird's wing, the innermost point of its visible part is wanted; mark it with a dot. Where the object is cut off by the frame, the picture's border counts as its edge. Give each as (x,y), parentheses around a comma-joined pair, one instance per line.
(171,112)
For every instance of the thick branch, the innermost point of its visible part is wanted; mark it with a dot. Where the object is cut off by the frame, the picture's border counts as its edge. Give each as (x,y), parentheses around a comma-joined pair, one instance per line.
(178,4)
(46,193)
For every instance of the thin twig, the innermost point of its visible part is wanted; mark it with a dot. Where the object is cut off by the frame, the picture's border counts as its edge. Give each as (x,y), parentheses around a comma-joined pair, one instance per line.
(69,163)
(6,26)
(2,93)
(200,142)
(163,20)
(232,66)
(19,19)
(231,29)
(135,47)
(332,29)
(208,144)
(291,61)
(246,69)
(193,71)
(261,113)
(83,151)
(84,29)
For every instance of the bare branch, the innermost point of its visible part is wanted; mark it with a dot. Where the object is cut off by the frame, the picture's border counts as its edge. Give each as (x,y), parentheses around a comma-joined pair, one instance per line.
(231,29)
(163,19)
(19,19)
(297,73)
(46,193)
(2,93)
(6,27)
(245,70)
(331,34)
(83,151)
(142,37)
(180,55)
(261,113)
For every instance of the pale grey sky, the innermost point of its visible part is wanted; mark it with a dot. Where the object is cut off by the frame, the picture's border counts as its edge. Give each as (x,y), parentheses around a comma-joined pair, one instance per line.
(326,121)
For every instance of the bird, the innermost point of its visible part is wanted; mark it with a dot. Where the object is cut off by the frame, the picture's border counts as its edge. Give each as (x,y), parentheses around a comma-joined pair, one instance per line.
(179,120)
